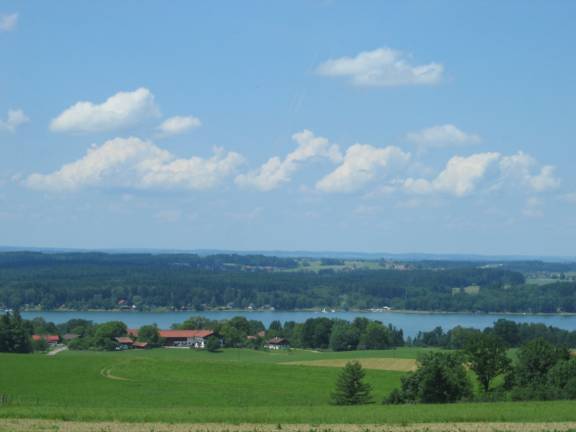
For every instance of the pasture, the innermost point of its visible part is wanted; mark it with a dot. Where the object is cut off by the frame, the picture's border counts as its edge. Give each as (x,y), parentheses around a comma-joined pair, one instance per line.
(233,387)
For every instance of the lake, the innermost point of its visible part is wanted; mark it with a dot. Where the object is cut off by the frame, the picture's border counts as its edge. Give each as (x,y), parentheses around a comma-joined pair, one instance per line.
(411,323)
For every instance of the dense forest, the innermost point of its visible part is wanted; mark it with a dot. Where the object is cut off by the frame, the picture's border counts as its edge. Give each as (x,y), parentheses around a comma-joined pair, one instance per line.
(188,281)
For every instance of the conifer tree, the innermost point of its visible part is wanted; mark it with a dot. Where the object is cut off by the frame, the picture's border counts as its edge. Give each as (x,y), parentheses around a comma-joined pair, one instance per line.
(350,387)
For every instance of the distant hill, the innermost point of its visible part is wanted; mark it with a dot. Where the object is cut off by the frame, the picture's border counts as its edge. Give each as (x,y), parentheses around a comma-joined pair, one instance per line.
(416,256)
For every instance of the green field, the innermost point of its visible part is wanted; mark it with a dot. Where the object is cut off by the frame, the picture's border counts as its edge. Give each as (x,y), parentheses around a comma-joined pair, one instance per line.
(235,386)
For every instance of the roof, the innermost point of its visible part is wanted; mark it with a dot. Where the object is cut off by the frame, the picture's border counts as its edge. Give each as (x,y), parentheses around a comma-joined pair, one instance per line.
(167,334)
(125,340)
(185,333)
(47,338)
(278,341)
(140,344)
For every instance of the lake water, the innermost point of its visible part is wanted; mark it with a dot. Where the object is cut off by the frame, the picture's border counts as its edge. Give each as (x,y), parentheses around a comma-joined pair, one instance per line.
(411,323)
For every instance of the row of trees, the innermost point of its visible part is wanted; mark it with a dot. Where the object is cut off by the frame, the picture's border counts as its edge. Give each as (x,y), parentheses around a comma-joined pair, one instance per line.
(512,334)
(103,281)
(316,333)
(237,332)
(542,371)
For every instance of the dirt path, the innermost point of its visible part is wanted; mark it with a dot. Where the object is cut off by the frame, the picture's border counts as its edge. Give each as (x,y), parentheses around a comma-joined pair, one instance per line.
(21,425)
(57,350)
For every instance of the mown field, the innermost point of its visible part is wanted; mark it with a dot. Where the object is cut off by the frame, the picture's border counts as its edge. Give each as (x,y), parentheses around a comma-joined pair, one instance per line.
(235,386)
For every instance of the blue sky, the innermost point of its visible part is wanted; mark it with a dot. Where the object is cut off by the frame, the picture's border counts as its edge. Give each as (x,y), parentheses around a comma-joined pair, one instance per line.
(413,126)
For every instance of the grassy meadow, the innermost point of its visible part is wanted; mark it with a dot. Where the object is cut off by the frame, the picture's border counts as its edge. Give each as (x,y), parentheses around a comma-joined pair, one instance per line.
(234,386)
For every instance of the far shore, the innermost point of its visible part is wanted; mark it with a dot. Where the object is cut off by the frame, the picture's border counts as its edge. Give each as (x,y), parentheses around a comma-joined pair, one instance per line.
(315,310)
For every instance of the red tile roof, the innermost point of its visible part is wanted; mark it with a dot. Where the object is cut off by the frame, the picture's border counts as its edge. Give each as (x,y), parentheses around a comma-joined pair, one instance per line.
(278,341)
(168,334)
(125,340)
(47,338)
(140,345)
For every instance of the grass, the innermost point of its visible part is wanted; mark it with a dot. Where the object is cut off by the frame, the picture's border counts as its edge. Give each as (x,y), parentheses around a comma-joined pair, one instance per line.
(235,386)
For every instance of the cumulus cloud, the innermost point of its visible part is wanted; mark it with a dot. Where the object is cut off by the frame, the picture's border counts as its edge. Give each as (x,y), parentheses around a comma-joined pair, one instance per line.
(520,168)
(459,178)
(124,109)
(442,136)
(277,171)
(383,67)
(178,125)
(8,22)
(132,162)
(462,175)
(361,164)
(15,119)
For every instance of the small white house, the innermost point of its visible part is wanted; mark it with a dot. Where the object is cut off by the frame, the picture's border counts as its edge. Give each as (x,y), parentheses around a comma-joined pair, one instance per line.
(277,343)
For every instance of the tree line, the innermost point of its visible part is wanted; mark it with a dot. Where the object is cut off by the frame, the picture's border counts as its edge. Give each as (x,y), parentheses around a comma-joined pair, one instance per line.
(540,371)
(190,282)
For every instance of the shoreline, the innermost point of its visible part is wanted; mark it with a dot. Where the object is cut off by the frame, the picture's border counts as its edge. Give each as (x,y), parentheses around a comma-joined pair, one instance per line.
(258,311)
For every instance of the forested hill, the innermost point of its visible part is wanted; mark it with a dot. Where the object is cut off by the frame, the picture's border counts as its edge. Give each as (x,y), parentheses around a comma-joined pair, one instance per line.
(188,281)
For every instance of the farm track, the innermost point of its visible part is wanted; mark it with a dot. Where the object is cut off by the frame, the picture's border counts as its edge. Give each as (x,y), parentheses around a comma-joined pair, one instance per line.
(21,425)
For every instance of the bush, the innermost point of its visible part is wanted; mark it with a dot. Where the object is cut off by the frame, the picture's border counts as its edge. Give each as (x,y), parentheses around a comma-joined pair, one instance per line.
(440,378)
(213,344)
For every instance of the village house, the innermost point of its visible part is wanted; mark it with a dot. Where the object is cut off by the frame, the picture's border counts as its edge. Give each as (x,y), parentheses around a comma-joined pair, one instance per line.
(50,339)
(125,342)
(277,343)
(181,338)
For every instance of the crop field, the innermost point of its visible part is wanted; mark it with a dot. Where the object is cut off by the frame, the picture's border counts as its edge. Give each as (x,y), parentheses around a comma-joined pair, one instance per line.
(232,387)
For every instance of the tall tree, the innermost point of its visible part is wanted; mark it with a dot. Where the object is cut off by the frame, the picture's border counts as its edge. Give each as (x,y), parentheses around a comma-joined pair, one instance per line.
(486,354)
(350,386)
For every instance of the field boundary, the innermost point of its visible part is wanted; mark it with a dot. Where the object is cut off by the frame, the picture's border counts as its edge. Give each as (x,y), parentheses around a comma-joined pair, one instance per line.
(21,425)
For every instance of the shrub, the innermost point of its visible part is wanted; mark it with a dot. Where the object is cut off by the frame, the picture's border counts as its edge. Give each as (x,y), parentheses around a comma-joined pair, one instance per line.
(440,378)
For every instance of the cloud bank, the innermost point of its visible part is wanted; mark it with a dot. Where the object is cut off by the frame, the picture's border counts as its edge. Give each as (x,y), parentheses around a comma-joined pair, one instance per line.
(135,163)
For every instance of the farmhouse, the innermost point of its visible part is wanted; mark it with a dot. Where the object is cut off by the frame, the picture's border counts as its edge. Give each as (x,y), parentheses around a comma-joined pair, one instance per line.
(181,338)
(277,343)
(50,339)
(125,342)
(186,338)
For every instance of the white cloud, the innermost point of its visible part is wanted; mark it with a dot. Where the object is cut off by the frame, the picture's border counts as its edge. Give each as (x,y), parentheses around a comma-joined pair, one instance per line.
(459,178)
(442,136)
(383,67)
(8,22)
(132,162)
(277,171)
(14,119)
(462,175)
(360,166)
(124,109)
(178,125)
(520,167)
